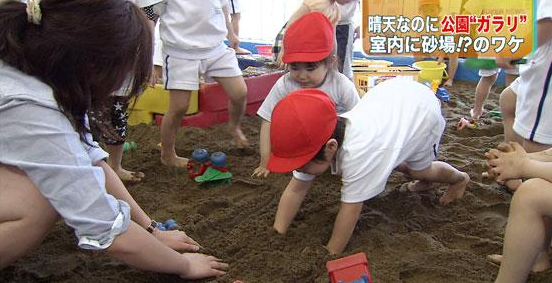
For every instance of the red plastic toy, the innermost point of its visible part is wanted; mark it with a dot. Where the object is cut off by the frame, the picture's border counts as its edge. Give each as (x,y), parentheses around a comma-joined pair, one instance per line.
(350,269)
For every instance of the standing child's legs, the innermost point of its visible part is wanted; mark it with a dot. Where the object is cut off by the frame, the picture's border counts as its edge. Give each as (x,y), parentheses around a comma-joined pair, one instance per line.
(109,126)
(26,216)
(237,92)
(526,234)
(482,90)
(452,67)
(178,105)
(115,162)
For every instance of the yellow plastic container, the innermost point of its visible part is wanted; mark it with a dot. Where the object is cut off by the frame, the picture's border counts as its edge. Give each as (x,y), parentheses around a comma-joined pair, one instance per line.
(431,71)
(371,63)
(367,78)
(155,101)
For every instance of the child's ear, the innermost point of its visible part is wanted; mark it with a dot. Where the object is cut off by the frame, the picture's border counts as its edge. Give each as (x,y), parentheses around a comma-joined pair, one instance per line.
(331,148)
(333,59)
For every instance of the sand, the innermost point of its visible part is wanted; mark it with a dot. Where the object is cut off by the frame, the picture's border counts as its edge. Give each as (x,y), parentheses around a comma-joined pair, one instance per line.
(407,236)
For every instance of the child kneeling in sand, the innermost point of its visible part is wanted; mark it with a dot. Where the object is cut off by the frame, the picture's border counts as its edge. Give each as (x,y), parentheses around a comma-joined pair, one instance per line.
(310,45)
(396,125)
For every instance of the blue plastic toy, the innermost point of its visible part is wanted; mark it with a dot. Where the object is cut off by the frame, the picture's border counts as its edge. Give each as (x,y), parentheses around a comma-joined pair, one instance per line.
(170,224)
(443,94)
(364,279)
(211,170)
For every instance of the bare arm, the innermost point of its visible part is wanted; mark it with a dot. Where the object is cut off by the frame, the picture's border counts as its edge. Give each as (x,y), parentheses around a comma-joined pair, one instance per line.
(290,202)
(231,36)
(545,155)
(511,161)
(139,248)
(177,240)
(544,31)
(264,149)
(344,226)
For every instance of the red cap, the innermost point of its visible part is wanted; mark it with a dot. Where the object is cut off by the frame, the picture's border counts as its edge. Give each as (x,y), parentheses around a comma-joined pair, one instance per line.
(302,122)
(309,39)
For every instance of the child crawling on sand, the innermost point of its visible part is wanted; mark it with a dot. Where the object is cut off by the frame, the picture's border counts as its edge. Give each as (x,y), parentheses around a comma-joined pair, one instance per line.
(396,125)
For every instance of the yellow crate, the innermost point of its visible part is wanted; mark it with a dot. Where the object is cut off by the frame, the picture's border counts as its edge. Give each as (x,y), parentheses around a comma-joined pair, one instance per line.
(357,63)
(367,78)
(155,101)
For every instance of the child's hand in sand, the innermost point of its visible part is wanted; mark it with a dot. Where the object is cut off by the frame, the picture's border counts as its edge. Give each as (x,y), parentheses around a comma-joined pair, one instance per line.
(202,266)
(507,162)
(177,240)
(260,171)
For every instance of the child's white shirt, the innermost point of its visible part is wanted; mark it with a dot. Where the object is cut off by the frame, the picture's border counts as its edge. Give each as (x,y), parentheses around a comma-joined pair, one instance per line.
(190,29)
(391,124)
(338,87)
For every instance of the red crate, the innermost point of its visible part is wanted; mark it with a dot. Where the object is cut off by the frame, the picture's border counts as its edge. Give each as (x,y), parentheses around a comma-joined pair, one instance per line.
(348,269)
(213,101)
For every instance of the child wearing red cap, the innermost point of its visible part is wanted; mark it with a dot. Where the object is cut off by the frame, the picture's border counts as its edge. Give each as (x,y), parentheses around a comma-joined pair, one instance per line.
(309,44)
(329,8)
(396,125)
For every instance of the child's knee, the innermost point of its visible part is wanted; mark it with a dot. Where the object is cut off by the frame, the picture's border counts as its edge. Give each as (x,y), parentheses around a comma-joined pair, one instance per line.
(531,192)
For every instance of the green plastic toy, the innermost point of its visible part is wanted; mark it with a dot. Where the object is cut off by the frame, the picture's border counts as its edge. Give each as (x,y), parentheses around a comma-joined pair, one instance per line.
(130,146)
(214,177)
(488,64)
(495,114)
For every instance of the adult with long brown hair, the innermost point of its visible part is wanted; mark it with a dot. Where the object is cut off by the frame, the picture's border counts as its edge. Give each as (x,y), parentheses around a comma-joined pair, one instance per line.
(60,59)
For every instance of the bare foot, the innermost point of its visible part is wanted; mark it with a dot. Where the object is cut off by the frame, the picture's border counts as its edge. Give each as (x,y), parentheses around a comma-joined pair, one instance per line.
(541,264)
(419,185)
(175,161)
(513,184)
(240,141)
(456,190)
(130,176)
(475,115)
(240,50)
(448,83)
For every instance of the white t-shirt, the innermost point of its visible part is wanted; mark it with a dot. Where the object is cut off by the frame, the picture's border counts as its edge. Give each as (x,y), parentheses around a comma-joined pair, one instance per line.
(396,121)
(190,29)
(338,87)
(348,11)
(534,90)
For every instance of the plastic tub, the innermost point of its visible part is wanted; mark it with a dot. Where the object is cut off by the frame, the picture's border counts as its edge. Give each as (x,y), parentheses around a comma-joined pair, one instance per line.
(431,71)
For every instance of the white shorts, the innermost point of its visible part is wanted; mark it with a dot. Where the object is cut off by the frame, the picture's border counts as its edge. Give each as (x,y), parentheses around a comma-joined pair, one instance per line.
(534,98)
(235,7)
(491,72)
(157,48)
(184,74)
(429,146)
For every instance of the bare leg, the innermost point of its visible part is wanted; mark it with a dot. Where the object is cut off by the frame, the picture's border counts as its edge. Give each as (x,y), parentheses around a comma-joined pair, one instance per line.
(178,105)
(442,172)
(482,90)
(531,146)
(26,216)
(115,162)
(289,204)
(416,185)
(508,109)
(510,79)
(526,234)
(237,92)
(453,66)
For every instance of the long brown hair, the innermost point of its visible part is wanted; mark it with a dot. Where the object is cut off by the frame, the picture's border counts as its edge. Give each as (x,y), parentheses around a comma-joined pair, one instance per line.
(83,49)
